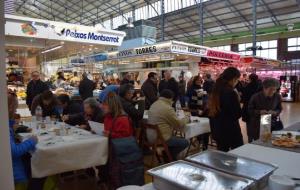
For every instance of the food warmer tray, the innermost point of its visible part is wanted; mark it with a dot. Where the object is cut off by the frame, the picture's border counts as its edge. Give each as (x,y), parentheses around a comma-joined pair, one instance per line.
(182,175)
(235,165)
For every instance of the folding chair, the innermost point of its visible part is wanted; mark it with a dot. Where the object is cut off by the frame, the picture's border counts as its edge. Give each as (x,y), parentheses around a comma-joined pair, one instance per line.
(158,142)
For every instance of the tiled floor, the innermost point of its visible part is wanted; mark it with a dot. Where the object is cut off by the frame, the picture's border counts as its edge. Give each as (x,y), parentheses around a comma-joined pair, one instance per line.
(290,115)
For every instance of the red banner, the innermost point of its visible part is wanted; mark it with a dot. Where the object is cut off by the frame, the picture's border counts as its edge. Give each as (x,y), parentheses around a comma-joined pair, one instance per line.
(223,55)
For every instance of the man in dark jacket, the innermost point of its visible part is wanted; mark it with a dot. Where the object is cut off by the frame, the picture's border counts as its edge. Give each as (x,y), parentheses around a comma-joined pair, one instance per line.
(126,93)
(149,89)
(86,87)
(69,106)
(169,83)
(208,84)
(127,79)
(34,87)
(91,112)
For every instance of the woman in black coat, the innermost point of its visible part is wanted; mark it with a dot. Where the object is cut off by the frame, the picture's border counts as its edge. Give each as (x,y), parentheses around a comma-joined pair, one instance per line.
(247,92)
(225,111)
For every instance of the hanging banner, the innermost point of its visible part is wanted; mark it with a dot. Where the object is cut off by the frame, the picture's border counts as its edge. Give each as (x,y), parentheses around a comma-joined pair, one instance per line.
(223,55)
(37,28)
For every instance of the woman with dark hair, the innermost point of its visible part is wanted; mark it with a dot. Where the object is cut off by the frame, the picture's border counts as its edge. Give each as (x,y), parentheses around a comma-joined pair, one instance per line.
(267,101)
(198,104)
(126,93)
(196,97)
(247,92)
(225,111)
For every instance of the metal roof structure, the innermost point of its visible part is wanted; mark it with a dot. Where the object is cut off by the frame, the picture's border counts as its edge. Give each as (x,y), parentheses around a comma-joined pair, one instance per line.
(180,22)
(228,16)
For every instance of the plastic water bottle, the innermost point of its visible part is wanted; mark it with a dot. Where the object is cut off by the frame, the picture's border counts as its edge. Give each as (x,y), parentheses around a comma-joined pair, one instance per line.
(178,108)
(178,105)
(39,114)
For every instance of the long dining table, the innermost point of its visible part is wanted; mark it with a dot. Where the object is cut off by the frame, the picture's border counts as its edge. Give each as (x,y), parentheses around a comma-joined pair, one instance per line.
(72,149)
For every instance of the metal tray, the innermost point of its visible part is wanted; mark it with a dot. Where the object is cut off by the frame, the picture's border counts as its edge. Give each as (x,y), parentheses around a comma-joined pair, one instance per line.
(233,164)
(182,175)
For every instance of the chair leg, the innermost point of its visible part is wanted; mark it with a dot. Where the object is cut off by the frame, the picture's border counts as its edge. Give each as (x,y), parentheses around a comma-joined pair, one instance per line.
(189,148)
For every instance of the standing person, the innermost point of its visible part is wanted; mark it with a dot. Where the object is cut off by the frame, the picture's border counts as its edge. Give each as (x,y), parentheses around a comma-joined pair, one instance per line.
(208,83)
(196,95)
(164,116)
(34,87)
(86,87)
(198,105)
(181,90)
(126,93)
(169,83)
(48,102)
(247,92)
(268,101)
(149,89)
(60,81)
(225,111)
(127,79)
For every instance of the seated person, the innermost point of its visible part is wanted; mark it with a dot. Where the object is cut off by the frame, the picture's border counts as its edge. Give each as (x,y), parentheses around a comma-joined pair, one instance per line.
(69,106)
(126,93)
(18,149)
(91,112)
(116,125)
(110,88)
(115,117)
(162,113)
(48,102)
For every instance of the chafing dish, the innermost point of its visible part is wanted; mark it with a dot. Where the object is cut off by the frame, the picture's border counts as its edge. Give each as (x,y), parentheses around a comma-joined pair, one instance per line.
(182,175)
(235,165)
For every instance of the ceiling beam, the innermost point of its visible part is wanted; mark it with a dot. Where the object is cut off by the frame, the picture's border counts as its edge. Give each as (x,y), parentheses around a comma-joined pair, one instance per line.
(267,8)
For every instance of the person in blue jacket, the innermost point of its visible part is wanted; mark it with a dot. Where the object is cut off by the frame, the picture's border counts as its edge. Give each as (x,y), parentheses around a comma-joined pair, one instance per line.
(18,149)
(110,88)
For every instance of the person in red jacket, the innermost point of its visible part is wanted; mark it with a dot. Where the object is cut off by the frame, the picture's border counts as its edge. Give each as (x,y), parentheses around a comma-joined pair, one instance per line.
(116,125)
(115,120)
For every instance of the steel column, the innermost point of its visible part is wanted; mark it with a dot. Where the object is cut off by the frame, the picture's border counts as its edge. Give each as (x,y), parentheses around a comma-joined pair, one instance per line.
(200,12)
(162,20)
(254,24)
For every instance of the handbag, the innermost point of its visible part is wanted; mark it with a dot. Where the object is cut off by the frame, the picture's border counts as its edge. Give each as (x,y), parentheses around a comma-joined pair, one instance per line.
(129,159)
(276,124)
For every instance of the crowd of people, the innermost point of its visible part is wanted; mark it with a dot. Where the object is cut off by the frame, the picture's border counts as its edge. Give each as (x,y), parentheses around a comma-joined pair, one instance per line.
(121,110)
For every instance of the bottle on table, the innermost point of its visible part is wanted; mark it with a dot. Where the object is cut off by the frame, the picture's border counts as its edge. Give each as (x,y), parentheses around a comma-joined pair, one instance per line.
(39,114)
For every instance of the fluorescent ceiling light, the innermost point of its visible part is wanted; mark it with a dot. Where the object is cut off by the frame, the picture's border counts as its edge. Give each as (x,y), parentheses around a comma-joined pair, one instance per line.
(52,49)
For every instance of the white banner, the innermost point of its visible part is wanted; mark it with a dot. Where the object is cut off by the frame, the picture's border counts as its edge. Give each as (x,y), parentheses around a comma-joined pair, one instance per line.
(63,32)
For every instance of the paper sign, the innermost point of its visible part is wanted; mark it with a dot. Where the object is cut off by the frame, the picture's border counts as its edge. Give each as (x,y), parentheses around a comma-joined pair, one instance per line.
(98,128)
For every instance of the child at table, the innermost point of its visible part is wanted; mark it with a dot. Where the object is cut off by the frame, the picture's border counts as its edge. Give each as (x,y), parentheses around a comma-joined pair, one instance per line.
(18,149)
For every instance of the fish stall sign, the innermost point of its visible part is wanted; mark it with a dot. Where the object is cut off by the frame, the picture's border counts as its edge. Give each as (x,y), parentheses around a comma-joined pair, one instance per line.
(91,36)
(51,30)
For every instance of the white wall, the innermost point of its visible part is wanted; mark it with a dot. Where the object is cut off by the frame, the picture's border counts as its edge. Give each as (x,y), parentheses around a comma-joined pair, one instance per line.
(6,175)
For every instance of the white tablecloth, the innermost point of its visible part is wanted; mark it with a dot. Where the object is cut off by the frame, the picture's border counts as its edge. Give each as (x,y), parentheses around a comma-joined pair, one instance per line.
(24,112)
(78,150)
(194,129)
(288,162)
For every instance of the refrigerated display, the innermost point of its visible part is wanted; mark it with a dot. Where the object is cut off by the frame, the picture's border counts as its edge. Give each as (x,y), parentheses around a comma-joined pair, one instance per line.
(288,88)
